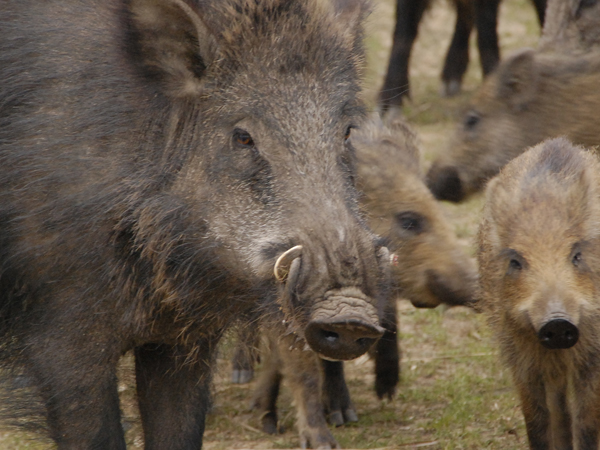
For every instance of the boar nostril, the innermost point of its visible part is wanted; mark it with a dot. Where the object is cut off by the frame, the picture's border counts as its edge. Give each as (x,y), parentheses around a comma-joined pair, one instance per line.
(330,336)
(558,334)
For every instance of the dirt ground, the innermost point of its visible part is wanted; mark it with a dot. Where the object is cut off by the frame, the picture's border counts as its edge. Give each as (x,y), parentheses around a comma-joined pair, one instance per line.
(454,393)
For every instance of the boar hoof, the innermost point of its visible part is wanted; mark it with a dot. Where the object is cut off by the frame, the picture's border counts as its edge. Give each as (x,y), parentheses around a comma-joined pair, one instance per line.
(350,415)
(269,423)
(341,339)
(558,333)
(451,88)
(336,418)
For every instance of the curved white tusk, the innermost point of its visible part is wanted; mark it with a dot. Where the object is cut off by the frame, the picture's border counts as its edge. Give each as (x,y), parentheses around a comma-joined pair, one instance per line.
(283,263)
(394,259)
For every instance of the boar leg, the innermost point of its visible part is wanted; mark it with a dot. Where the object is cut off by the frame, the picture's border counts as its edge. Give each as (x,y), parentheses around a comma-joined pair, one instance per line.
(457,57)
(560,417)
(587,406)
(387,355)
(267,390)
(173,396)
(486,19)
(535,411)
(540,9)
(336,396)
(80,395)
(303,372)
(246,354)
(395,87)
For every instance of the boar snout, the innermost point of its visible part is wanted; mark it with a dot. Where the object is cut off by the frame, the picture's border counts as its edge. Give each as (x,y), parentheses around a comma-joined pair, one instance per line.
(341,338)
(558,334)
(445,184)
(343,326)
(443,291)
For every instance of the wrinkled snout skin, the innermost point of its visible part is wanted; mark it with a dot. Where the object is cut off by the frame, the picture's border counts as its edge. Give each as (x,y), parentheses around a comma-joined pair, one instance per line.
(539,259)
(532,96)
(430,267)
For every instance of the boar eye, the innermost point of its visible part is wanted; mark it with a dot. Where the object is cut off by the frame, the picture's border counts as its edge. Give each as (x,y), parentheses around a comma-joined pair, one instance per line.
(243,138)
(577,258)
(472,119)
(411,222)
(348,133)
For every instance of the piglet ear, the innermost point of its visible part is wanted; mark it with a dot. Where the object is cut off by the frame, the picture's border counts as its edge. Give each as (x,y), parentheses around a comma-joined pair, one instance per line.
(518,79)
(349,16)
(174,44)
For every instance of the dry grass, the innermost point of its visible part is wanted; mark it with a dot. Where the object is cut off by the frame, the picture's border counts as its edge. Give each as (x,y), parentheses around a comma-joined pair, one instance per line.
(454,393)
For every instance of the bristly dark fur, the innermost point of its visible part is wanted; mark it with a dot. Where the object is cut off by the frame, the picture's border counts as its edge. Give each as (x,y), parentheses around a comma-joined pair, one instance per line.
(132,216)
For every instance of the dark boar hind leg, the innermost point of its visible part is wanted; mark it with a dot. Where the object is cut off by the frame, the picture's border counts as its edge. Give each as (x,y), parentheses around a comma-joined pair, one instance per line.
(457,57)
(79,387)
(173,397)
(395,86)
(486,19)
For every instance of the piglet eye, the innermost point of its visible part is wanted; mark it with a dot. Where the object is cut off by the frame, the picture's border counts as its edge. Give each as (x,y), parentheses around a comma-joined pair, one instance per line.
(472,119)
(243,138)
(577,258)
(514,264)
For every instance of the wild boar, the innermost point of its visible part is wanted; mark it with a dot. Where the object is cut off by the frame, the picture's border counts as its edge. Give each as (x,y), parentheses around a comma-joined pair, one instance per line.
(164,164)
(430,269)
(532,96)
(539,258)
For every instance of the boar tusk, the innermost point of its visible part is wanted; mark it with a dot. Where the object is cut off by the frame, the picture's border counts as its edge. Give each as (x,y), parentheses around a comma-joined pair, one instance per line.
(394,259)
(283,263)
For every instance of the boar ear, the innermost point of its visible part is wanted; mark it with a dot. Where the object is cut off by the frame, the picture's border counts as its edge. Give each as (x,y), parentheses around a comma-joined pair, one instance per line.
(174,45)
(518,79)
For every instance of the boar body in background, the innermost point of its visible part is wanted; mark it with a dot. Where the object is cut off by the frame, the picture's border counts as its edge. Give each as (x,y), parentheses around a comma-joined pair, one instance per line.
(431,269)
(159,159)
(532,96)
(539,257)
(572,26)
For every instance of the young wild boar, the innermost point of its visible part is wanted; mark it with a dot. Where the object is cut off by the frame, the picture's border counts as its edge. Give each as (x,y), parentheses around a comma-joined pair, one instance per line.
(164,164)
(539,257)
(532,96)
(431,269)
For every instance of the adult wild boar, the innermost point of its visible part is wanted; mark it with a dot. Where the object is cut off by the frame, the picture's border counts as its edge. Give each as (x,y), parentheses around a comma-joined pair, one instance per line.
(532,96)
(539,256)
(431,269)
(161,159)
